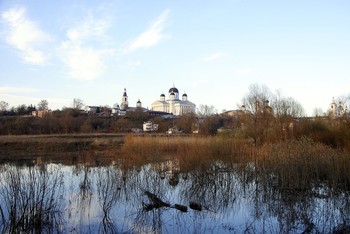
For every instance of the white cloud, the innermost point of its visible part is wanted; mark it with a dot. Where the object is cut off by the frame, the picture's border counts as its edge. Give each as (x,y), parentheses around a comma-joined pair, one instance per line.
(83,51)
(84,63)
(214,57)
(25,35)
(152,36)
(87,29)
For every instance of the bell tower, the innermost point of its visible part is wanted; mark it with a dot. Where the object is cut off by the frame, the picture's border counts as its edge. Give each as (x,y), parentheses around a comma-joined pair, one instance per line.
(125,103)
(333,109)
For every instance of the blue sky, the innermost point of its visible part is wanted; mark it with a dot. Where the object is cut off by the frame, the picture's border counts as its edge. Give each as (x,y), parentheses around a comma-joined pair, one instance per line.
(212,50)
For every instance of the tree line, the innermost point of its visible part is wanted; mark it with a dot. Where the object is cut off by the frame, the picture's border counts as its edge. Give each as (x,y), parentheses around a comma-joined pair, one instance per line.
(261,117)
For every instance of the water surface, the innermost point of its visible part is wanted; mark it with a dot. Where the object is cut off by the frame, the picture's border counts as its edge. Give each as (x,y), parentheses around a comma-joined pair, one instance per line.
(214,198)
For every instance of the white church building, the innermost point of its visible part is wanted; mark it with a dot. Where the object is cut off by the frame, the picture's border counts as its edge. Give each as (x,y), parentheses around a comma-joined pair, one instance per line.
(124,106)
(173,104)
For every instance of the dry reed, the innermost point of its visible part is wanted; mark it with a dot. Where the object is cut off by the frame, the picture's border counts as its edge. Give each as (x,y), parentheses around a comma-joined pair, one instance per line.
(302,164)
(149,145)
(190,151)
(296,164)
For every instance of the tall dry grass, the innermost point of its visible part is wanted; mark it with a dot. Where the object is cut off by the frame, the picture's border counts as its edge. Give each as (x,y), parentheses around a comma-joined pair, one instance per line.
(190,151)
(296,164)
(217,146)
(302,164)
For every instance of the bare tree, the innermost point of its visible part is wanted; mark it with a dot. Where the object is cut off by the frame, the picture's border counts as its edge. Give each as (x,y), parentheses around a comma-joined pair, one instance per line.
(78,103)
(256,97)
(257,103)
(287,107)
(3,106)
(206,110)
(43,105)
(286,110)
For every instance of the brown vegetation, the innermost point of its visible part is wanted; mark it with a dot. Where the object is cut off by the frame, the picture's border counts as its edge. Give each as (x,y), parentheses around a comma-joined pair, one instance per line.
(301,164)
(293,164)
(189,150)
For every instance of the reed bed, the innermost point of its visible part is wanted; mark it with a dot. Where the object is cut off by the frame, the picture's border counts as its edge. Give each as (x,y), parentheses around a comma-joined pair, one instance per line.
(302,164)
(290,165)
(214,146)
(189,151)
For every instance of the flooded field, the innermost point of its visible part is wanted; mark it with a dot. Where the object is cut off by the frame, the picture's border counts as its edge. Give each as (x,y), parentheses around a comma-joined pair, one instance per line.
(160,198)
(179,185)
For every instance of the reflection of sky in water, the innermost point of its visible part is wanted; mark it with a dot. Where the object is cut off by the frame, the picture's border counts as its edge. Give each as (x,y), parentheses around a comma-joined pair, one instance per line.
(107,199)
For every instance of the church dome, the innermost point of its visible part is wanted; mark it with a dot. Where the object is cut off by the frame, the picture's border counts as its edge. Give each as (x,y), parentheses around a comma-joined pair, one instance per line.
(162,95)
(184,95)
(173,90)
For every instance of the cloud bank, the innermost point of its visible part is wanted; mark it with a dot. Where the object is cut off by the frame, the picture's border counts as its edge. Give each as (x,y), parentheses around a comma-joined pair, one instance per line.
(152,36)
(85,47)
(25,35)
(83,52)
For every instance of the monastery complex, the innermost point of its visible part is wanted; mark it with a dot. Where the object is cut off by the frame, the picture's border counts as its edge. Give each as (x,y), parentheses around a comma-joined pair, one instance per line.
(171,105)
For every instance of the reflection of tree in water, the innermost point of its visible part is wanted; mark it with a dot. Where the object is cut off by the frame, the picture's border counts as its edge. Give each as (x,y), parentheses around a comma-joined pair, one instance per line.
(226,189)
(149,222)
(150,181)
(144,180)
(308,211)
(231,197)
(107,181)
(85,186)
(81,202)
(214,185)
(193,186)
(30,199)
